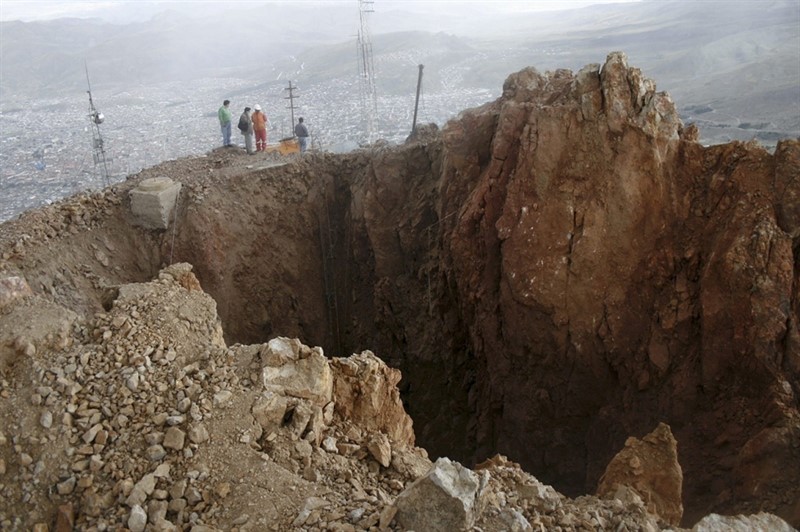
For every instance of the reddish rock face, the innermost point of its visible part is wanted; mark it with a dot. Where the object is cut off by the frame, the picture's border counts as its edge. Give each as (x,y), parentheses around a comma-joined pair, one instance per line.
(556,271)
(613,274)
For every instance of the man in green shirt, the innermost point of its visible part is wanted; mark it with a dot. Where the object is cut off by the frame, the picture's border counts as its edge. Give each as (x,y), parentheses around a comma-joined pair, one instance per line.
(225,122)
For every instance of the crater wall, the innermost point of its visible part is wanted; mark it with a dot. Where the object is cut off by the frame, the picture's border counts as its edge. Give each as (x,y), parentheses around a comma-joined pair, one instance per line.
(552,272)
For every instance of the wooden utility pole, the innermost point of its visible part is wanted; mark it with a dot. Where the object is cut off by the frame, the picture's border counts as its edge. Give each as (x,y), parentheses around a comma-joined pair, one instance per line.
(416,103)
(291,98)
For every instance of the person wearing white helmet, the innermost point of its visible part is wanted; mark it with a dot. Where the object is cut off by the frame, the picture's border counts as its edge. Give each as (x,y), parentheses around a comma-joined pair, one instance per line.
(260,128)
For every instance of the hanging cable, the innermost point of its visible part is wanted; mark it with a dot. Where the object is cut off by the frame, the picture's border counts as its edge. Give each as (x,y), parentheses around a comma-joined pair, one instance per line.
(174,223)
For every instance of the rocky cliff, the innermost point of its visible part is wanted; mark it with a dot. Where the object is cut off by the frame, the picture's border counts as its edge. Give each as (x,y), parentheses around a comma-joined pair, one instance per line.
(552,273)
(612,273)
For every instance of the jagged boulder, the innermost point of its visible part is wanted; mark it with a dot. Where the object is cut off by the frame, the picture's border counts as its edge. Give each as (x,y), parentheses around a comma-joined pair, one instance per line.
(269,410)
(365,392)
(447,498)
(295,370)
(649,466)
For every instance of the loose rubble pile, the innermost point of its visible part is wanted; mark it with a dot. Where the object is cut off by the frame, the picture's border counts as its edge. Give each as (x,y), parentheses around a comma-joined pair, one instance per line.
(142,418)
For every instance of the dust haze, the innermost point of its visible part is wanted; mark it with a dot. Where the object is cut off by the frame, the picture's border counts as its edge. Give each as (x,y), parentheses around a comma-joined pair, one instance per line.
(159,71)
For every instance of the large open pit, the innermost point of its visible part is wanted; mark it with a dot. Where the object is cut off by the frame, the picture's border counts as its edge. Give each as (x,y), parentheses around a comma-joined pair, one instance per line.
(550,280)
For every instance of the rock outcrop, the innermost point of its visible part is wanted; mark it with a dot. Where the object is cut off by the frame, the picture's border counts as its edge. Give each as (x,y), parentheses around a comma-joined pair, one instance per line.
(650,466)
(365,390)
(613,273)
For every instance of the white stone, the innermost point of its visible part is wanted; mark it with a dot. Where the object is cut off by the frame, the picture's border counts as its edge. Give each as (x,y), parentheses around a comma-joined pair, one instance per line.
(174,438)
(198,433)
(515,521)
(13,288)
(89,435)
(162,471)
(137,519)
(329,444)
(542,497)
(137,497)
(222,398)
(155,453)
(66,487)
(269,409)
(380,449)
(308,377)
(133,382)
(444,499)
(742,523)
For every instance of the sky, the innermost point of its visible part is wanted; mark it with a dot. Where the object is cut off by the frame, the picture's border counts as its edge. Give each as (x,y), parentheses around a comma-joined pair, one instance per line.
(120,11)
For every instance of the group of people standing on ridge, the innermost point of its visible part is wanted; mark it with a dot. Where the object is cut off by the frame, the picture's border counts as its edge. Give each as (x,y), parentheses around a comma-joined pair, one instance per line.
(253,126)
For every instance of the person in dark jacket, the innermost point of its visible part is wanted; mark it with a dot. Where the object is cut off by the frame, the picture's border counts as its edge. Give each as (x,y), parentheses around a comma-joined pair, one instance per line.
(301,132)
(246,127)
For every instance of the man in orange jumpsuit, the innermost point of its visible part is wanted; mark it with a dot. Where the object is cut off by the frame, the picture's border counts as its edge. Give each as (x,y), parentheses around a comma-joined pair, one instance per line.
(260,128)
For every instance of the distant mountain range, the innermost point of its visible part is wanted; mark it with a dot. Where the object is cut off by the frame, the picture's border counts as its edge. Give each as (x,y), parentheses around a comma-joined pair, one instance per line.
(739,61)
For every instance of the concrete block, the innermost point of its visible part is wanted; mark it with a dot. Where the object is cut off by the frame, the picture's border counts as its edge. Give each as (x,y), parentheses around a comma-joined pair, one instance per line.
(153,201)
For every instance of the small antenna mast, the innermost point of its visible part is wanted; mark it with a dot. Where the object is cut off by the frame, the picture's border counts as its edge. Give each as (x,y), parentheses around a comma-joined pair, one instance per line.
(366,70)
(95,119)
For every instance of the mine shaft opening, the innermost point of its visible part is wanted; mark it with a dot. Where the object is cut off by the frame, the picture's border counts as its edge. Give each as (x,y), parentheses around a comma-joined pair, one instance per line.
(352,255)
(347,267)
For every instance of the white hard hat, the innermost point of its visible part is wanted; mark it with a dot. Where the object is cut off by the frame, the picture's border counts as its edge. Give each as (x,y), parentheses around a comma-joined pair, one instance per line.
(258,107)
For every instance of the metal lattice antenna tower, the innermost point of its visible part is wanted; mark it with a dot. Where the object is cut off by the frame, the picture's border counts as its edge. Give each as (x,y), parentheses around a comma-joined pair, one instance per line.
(366,70)
(292,96)
(95,119)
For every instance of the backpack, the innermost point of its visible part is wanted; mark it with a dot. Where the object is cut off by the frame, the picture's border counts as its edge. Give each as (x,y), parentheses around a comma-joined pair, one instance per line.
(243,125)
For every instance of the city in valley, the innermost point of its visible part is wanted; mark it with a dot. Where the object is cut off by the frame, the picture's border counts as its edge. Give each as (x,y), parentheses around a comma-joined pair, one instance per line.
(159,78)
(47,147)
